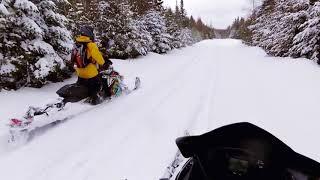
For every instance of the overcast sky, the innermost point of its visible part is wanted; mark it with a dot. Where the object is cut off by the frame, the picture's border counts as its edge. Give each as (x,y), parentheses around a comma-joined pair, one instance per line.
(219,13)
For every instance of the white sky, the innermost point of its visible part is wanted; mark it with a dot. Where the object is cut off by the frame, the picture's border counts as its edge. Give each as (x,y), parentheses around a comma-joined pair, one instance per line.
(219,13)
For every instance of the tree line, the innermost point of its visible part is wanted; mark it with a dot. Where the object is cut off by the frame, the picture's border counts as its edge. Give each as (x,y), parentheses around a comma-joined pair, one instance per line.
(36,36)
(283,28)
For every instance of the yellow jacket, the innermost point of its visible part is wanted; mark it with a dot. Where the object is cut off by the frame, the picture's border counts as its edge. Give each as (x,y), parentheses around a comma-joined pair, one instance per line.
(93,53)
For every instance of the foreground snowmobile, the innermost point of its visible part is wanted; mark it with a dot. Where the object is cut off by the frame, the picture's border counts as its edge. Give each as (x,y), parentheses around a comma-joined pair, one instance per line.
(242,152)
(22,129)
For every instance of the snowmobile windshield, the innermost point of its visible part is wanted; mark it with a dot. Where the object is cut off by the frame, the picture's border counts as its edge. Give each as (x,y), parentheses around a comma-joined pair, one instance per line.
(231,163)
(244,151)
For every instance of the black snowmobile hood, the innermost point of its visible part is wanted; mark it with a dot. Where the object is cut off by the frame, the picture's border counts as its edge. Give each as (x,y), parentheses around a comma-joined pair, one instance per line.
(248,135)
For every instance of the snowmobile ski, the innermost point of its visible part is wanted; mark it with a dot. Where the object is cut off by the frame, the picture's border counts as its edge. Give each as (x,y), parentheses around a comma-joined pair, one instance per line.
(175,165)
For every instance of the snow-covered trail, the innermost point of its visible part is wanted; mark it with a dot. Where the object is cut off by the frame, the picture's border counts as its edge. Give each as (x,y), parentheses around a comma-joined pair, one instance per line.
(198,88)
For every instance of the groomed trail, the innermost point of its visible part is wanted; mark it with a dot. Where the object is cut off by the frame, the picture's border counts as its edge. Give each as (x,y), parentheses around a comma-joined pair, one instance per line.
(198,88)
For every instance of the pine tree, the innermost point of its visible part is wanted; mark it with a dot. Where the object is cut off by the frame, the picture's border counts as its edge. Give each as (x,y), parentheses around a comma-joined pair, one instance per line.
(33,55)
(141,7)
(183,15)
(91,10)
(289,14)
(78,15)
(235,29)
(172,28)
(156,5)
(185,37)
(155,24)
(196,35)
(276,25)
(182,35)
(56,33)
(307,42)
(63,6)
(262,25)
(116,23)
(6,49)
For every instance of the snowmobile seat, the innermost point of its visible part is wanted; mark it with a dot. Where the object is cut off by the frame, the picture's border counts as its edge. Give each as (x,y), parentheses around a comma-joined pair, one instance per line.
(73,93)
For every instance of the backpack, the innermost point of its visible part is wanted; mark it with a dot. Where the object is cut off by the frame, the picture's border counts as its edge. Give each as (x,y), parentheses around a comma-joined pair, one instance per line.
(79,55)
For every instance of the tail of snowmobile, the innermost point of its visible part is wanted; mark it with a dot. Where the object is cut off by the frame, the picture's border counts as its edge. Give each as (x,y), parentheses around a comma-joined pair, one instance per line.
(21,129)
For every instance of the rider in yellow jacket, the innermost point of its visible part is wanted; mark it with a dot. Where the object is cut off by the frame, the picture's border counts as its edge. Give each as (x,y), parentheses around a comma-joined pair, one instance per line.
(89,75)
(94,55)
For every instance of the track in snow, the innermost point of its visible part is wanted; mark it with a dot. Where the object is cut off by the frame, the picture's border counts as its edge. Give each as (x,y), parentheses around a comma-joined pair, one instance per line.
(198,88)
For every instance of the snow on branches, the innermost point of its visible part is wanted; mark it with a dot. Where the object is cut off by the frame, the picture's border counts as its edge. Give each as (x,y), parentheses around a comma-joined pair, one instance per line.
(36,35)
(288,28)
(35,43)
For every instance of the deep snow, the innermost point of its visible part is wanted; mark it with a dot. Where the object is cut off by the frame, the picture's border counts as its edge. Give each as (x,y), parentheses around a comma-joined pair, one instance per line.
(198,88)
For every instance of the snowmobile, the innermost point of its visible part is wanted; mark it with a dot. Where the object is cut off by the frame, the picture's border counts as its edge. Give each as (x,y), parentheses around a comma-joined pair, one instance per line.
(242,151)
(21,130)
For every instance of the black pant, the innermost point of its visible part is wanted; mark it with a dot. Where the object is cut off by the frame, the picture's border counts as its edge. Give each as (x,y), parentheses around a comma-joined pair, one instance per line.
(93,85)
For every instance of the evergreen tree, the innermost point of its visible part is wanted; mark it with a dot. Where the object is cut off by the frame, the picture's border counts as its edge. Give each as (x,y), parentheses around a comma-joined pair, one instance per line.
(276,25)
(181,36)
(185,37)
(6,47)
(183,15)
(141,7)
(155,24)
(263,24)
(196,35)
(177,15)
(35,44)
(63,6)
(286,28)
(172,28)
(55,30)
(307,42)
(76,15)
(31,53)
(289,15)
(116,23)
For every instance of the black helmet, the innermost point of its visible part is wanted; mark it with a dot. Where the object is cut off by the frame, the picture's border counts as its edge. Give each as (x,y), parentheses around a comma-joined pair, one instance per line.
(87,31)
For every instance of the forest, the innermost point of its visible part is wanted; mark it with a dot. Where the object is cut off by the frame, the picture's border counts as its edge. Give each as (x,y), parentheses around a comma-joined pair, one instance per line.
(282,28)
(37,36)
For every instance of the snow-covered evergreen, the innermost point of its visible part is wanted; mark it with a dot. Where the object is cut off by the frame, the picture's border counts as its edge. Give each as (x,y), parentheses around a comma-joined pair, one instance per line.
(181,35)
(172,28)
(287,17)
(262,26)
(36,37)
(116,23)
(36,44)
(288,28)
(185,37)
(136,26)
(307,42)
(155,24)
